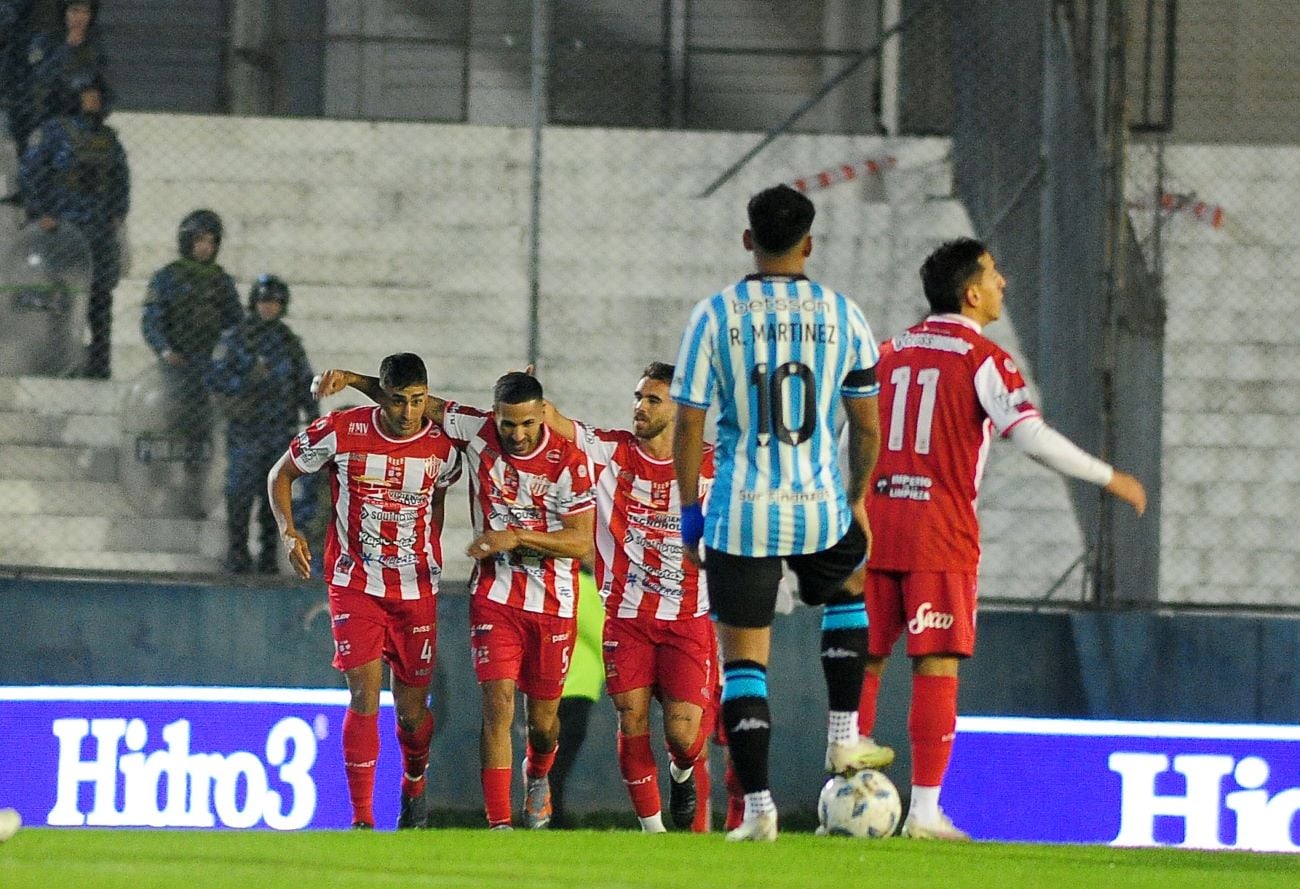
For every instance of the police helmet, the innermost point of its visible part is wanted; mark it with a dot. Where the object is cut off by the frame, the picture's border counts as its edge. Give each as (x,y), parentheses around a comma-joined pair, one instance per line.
(268,287)
(198,222)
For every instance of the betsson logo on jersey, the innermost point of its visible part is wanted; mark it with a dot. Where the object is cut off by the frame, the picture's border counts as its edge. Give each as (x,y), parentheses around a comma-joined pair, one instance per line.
(197,789)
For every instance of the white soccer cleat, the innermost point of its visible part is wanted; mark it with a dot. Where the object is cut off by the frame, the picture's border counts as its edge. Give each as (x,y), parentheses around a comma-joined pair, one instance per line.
(759,829)
(10,821)
(943,829)
(845,759)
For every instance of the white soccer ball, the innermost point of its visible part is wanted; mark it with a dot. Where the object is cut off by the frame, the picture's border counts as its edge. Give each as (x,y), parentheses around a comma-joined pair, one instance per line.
(10,821)
(864,804)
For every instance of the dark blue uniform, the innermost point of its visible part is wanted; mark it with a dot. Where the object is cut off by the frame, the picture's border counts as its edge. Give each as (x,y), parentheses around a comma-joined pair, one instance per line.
(74,169)
(262,381)
(51,62)
(14,16)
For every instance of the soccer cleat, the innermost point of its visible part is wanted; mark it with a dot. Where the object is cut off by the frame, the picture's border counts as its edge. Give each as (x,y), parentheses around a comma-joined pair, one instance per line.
(682,802)
(537,801)
(362,825)
(502,827)
(414,814)
(845,759)
(759,829)
(943,829)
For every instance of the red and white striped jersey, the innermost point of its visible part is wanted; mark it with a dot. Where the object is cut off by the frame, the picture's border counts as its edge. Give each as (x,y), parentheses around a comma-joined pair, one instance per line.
(534,492)
(639,564)
(385,539)
(943,388)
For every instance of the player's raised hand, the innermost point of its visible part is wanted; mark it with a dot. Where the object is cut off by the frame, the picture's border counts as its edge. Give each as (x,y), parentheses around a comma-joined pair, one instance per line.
(330,382)
(299,553)
(1128,489)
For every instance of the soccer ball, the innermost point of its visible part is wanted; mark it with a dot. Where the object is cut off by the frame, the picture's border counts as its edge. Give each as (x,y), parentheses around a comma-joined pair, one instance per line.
(864,804)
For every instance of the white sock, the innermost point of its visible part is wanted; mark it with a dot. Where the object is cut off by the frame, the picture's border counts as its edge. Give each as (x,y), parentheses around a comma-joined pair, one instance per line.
(680,775)
(759,803)
(653,824)
(842,726)
(925,804)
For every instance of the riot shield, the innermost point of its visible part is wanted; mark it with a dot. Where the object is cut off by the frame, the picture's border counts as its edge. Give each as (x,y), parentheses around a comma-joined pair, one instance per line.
(44,292)
(167,445)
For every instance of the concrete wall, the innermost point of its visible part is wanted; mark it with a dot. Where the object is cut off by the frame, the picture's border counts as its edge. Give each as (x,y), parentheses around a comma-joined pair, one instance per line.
(1231,483)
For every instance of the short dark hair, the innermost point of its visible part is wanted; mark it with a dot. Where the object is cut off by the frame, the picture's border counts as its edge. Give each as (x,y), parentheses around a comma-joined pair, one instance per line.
(657,370)
(946,272)
(401,370)
(779,217)
(517,387)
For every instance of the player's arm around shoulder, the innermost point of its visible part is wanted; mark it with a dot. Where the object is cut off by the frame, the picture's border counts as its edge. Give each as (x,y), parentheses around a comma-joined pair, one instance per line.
(335,380)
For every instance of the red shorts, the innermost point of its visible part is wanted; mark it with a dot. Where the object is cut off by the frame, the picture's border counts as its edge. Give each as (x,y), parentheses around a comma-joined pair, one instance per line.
(677,658)
(937,608)
(510,643)
(404,632)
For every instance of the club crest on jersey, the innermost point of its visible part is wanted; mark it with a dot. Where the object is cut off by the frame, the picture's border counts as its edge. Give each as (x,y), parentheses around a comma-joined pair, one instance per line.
(538,486)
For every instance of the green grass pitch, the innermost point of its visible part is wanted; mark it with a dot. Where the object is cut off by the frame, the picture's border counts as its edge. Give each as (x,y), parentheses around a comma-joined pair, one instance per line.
(479,859)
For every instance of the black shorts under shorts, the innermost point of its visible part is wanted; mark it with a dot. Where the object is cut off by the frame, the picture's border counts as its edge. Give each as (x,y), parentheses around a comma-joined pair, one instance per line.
(742,589)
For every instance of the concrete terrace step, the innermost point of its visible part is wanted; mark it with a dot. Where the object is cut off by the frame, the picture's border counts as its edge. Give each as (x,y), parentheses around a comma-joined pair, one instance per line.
(134,534)
(51,463)
(86,560)
(27,499)
(52,396)
(74,430)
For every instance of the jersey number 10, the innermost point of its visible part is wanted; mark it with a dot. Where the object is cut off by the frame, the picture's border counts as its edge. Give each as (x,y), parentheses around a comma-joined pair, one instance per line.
(772,414)
(928,381)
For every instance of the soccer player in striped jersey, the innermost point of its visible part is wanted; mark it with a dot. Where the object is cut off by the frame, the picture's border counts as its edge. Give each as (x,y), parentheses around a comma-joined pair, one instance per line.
(944,388)
(659,641)
(532,508)
(778,353)
(389,470)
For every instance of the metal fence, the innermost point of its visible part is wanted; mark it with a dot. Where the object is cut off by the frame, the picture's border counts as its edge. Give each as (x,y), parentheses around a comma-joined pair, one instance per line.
(488,188)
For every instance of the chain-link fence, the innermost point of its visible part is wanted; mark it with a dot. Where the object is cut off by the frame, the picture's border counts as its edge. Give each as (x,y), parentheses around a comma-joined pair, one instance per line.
(486,188)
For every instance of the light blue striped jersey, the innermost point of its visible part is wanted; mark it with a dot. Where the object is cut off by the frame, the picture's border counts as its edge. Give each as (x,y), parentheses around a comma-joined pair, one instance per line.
(775,353)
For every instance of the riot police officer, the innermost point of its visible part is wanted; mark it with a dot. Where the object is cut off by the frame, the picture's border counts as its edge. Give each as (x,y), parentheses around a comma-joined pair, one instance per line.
(189,302)
(74,171)
(56,56)
(262,382)
(14,18)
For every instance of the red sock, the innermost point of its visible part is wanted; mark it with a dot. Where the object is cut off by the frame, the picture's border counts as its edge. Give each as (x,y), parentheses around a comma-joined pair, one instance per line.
(703,788)
(867,703)
(415,754)
(931,726)
(637,763)
(360,750)
(735,798)
(539,764)
(496,795)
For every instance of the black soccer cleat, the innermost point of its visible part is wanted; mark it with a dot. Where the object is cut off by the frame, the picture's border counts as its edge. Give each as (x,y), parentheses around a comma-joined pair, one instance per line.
(414,814)
(681,802)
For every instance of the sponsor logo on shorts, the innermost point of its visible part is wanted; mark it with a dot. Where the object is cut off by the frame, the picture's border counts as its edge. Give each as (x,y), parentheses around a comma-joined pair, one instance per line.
(926,618)
(425,672)
(422,628)
(559,637)
(342,617)
(343,647)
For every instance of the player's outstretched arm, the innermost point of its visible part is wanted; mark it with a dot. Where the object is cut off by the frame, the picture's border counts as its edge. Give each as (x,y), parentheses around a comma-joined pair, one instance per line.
(1128,489)
(688,455)
(279,488)
(335,380)
(573,541)
(864,448)
(1049,447)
